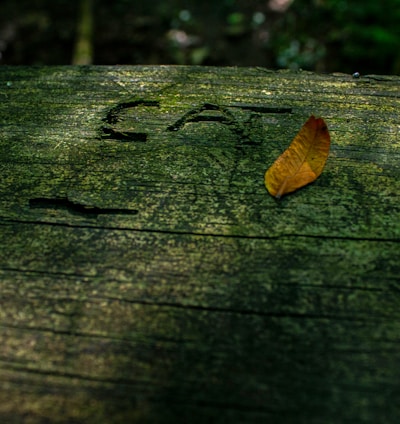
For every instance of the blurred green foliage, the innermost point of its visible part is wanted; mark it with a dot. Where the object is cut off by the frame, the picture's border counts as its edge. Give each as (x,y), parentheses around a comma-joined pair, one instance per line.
(321,35)
(343,35)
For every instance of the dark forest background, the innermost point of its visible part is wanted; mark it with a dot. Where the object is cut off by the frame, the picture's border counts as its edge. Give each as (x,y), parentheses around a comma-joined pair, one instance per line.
(320,35)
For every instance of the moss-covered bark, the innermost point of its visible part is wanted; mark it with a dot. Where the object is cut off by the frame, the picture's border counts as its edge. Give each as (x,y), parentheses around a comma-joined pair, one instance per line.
(147,276)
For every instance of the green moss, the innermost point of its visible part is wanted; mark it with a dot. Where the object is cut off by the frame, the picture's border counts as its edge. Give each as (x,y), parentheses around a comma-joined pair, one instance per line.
(207,291)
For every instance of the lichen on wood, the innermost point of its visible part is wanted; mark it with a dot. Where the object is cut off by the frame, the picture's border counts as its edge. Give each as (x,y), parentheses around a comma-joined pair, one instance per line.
(147,276)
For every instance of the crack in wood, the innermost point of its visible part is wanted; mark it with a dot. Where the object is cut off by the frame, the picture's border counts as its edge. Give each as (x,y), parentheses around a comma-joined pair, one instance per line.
(172,232)
(124,135)
(261,108)
(64,204)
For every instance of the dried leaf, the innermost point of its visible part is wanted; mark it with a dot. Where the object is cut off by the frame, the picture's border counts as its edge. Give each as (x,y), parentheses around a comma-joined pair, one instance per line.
(302,162)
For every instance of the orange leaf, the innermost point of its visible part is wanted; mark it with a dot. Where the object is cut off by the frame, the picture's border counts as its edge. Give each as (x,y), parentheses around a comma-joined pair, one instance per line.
(302,162)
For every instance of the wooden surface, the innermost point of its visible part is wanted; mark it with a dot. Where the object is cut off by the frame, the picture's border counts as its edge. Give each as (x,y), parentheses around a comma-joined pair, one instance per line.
(147,276)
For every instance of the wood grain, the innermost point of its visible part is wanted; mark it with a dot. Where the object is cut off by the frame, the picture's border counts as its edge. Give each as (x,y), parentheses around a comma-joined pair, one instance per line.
(147,276)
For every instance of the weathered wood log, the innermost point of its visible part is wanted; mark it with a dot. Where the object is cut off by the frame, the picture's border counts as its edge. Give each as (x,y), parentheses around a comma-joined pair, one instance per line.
(146,275)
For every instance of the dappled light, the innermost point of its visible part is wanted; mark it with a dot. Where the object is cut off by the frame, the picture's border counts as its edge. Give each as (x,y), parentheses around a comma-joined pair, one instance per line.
(279,5)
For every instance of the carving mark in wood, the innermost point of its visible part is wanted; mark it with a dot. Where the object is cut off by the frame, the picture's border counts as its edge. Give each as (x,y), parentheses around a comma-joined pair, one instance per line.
(64,204)
(113,117)
(247,130)
(246,125)
(261,109)
(196,115)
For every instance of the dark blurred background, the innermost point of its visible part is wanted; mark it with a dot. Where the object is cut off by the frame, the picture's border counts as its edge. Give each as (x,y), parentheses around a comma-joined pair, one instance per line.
(320,35)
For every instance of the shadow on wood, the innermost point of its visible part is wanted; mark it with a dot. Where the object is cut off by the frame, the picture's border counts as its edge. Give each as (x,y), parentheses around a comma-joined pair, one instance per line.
(147,276)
